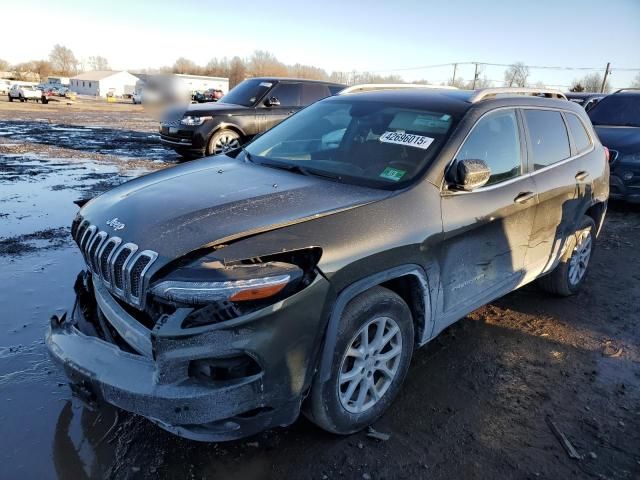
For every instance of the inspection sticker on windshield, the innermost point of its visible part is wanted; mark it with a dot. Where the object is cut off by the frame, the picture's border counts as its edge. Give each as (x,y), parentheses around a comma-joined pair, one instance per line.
(392,174)
(407,139)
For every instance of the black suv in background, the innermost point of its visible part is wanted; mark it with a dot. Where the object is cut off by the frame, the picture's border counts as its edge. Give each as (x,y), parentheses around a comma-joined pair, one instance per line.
(251,107)
(301,271)
(616,119)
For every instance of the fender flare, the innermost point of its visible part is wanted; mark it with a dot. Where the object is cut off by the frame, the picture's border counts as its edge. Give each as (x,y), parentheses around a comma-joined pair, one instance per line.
(356,288)
(230,126)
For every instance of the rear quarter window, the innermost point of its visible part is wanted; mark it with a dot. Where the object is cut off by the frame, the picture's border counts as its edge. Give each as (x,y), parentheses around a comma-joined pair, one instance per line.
(548,137)
(312,92)
(578,132)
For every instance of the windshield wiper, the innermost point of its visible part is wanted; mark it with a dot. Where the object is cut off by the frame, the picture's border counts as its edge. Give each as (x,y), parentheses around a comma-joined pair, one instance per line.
(301,170)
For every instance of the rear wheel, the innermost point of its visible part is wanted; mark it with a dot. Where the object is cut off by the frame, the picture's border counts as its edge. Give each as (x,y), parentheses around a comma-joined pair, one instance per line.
(371,358)
(21,98)
(222,141)
(569,275)
(10,98)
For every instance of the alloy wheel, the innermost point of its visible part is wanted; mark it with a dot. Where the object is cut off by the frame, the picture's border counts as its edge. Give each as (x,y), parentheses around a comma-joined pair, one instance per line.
(226,142)
(580,257)
(370,364)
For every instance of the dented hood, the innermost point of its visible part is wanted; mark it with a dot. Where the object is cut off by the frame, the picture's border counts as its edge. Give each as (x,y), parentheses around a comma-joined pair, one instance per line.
(216,200)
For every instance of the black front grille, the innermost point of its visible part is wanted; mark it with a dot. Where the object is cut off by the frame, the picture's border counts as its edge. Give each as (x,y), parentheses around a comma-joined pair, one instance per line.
(120,265)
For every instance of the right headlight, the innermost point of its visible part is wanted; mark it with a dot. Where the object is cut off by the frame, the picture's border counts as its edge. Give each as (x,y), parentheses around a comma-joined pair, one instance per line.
(193,121)
(237,283)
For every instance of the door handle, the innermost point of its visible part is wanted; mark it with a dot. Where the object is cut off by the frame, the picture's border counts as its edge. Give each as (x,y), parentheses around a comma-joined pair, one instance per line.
(524,197)
(582,175)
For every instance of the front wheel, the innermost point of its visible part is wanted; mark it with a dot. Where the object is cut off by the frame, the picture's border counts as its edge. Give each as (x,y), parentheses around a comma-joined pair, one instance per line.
(569,275)
(223,141)
(370,360)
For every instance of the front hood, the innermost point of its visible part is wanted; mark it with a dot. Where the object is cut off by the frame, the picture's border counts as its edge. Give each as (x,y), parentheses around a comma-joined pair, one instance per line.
(214,108)
(213,201)
(622,139)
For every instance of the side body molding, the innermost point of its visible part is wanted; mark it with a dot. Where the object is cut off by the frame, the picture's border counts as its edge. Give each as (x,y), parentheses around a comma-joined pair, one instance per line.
(365,284)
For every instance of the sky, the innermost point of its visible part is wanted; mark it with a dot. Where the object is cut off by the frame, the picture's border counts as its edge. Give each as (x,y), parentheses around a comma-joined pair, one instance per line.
(381,36)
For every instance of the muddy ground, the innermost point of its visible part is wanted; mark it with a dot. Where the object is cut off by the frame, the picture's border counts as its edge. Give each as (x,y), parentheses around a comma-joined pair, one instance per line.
(477,403)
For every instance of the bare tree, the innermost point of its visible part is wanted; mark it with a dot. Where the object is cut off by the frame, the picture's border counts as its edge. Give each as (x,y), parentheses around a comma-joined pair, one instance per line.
(237,71)
(98,63)
(43,68)
(307,71)
(264,63)
(516,75)
(634,84)
(576,86)
(184,65)
(4,65)
(63,61)
(591,82)
(217,67)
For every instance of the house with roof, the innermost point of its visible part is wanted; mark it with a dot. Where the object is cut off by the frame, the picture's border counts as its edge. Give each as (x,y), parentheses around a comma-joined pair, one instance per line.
(103,83)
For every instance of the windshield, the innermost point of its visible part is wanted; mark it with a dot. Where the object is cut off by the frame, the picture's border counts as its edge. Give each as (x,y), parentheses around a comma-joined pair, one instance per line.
(617,110)
(363,142)
(247,93)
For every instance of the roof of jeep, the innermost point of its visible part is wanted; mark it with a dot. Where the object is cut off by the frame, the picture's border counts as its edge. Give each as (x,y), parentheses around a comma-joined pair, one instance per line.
(452,101)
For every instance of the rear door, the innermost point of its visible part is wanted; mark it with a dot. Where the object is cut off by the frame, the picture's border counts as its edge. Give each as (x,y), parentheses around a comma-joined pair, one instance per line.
(289,94)
(487,230)
(562,183)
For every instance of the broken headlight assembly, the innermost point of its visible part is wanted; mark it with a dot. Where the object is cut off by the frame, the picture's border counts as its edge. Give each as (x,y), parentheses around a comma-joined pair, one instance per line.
(237,283)
(253,281)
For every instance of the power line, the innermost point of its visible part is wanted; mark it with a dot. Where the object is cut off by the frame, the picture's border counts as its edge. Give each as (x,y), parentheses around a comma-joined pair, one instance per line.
(532,67)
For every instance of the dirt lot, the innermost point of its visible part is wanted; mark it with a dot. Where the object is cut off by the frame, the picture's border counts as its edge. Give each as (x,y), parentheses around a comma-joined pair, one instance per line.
(478,401)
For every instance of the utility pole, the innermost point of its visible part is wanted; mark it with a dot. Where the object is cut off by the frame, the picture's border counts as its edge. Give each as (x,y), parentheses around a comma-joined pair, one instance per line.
(453,81)
(607,71)
(475,77)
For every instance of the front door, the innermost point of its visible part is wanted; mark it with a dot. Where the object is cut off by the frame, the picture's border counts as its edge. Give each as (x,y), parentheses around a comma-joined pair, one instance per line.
(486,231)
(289,97)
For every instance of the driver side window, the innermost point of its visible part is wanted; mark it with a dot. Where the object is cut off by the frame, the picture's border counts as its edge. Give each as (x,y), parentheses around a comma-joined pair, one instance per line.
(495,139)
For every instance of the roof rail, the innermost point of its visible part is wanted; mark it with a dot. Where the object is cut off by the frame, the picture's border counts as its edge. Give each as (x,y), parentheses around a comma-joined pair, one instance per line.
(482,94)
(367,87)
(633,89)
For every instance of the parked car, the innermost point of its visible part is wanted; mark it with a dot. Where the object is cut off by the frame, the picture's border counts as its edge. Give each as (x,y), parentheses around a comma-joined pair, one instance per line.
(302,270)
(252,107)
(25,93)
(210,95)
(617,121)
(136,98)
(586,100)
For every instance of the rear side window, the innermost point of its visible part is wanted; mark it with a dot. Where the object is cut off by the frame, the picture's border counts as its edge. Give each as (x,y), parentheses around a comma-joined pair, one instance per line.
(548,135)
(288,94)
(578,132)
(495,139)
(312,92)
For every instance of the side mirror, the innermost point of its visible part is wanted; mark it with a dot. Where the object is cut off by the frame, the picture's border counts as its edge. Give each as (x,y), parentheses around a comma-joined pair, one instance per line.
(272,102)
(472,174)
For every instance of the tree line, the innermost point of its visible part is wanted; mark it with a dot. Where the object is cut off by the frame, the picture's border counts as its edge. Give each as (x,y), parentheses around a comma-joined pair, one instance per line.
(62,61)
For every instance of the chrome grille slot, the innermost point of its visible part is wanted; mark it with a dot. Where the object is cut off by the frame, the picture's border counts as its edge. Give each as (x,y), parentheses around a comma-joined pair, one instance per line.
(93,249)
(120,266)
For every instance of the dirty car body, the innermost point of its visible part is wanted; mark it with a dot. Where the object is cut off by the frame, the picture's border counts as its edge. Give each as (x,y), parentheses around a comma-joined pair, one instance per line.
(214,315)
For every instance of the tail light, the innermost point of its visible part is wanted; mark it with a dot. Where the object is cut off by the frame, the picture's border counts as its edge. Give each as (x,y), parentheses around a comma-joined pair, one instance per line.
(607,154)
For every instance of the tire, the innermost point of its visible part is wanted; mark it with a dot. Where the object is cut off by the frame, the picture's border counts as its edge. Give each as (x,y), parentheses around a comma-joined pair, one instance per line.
(331,405)
(10,98)
(45,100)
(21,99)
(223,141)
(569,275)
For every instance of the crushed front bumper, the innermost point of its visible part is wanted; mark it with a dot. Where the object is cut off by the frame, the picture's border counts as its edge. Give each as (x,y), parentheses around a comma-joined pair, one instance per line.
(160,385)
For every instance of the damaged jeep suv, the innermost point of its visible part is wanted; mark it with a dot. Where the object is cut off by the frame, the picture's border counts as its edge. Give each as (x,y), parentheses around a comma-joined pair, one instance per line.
(299,273)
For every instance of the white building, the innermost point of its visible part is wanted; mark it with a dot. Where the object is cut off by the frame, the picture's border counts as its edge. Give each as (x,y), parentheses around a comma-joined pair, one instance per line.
(102,83)
(181,83)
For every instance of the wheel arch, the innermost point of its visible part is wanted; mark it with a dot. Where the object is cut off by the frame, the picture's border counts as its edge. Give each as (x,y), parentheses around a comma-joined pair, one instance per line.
(597,212)
(408,281)
(227,126)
